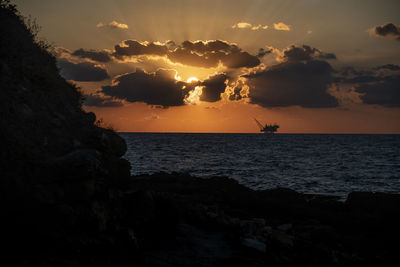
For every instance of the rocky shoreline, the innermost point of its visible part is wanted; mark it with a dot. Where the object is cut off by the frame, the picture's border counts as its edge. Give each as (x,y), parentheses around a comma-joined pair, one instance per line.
(179,220)
(227,224)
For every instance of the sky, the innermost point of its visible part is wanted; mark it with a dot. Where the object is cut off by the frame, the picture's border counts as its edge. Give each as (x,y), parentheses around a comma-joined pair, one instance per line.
(213,66)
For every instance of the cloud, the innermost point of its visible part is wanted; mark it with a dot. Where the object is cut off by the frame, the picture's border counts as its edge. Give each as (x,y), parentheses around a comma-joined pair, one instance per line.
(239,60)
(156,88)
(61,52)
(96,100)
(112,25)
(246,25)
(211,53)
(352,72)
(160,88)
(327,56)
(385,92)
(242,25)
(81,72)
(187,57)
(100,56)
(280,26)
(135,48)
(262,52)
(213,87)
(206,54)
(259,27)
(374,86)
(294,53)
(210,46)
(388,67)
(386,30)
(291,83)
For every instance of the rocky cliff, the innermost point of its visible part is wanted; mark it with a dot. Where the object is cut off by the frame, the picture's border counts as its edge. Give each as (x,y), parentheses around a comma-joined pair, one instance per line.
(58,169)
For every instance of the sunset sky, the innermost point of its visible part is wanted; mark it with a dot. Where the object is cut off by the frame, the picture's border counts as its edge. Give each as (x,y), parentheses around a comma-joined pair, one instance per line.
(212,66)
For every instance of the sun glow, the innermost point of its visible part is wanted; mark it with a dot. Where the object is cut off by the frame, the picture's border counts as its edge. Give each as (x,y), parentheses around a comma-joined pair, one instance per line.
(192,79)
(194,96)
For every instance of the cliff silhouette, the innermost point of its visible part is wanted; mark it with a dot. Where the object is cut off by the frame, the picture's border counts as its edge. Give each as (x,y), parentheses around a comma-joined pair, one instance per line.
(67,198)
(57,167)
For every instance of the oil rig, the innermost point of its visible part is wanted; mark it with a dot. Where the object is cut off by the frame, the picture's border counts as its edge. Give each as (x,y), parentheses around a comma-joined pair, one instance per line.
(268,128)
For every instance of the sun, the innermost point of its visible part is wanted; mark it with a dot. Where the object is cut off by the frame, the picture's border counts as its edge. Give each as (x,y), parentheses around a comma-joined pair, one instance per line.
(192,79)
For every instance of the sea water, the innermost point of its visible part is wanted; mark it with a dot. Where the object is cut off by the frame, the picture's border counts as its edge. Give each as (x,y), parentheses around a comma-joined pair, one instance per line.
(312,163)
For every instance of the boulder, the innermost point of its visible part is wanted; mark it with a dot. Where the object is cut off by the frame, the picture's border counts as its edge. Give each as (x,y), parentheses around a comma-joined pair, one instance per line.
(285,227)
(253,243)
(113,143)
(375,202)
(281,238)
(85,160)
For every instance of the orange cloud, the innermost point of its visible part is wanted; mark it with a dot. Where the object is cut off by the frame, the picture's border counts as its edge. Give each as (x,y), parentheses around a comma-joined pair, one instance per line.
(242,25)
(280,26)
(112,25)
(246,25)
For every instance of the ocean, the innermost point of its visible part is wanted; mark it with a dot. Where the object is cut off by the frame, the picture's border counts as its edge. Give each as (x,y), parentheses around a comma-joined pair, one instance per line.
(310,163)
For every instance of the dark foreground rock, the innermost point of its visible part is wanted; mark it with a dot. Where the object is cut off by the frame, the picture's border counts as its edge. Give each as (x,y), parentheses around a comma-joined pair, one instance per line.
(277,227)
(58,169)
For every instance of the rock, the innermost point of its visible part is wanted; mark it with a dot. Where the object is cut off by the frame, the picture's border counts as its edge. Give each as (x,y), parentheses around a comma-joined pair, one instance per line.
(285,227)
(113,143)
(57,167)
(87,160)
(267,229)
(374,202)
(253,243)
(282,238)
(259,221)
(249,226)
(91,117)
(140,206)
(27,111)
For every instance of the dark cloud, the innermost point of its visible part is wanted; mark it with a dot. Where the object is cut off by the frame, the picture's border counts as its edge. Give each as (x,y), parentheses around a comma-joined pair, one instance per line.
(304,53)
(81,72)
(213,87)
(293,84)
(350,71)
(237,89)
(240,59)
(352,75)
(361,79)
(100,56)
(385,92)
(135,48)
(374,86)
(386,30)
(199,54)
(294,53)
(388,67)
(93,100)
(327,56)
(262,52)
(158,88)
(202,47)
(211,53)
(187,57)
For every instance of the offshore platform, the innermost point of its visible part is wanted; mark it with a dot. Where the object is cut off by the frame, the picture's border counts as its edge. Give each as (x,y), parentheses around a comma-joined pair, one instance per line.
(268,128)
